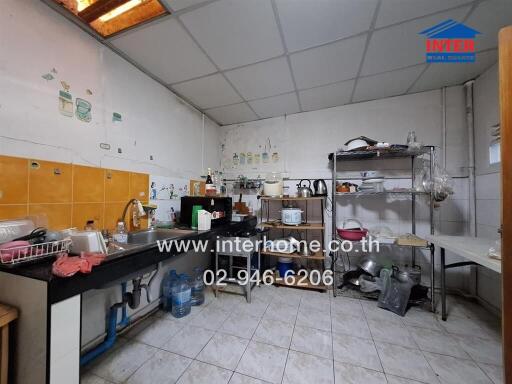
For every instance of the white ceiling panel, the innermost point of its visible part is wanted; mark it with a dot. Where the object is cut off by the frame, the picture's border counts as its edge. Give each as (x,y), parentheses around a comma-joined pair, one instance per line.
(232,114)
(178,5)
(326,96)
(395,11)
(306,24)
(166,50)
(401,45)
(236,32)
(276,105)
(329,63)
(263,79)
(488,18)
(439,75)
(208,92)
(386,84)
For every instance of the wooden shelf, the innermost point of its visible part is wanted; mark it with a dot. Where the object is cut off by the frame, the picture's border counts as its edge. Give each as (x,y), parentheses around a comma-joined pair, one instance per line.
(303,226)
(305,285)
(317,256)
(295,198)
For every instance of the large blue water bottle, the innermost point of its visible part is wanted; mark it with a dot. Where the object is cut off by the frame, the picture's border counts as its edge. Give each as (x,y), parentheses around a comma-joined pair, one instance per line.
(181,293)
(169,279)
(197,287)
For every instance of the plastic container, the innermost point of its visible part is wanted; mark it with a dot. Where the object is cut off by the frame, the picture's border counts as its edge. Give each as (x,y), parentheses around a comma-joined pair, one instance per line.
(197,287)
(181,294)
(169,279)
(284,266)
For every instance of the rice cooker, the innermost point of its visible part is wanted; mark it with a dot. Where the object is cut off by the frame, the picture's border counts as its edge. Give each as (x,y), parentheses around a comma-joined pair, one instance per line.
(291,216)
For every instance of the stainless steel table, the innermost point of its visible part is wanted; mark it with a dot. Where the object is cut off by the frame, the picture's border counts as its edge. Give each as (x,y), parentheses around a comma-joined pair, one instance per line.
(474,249)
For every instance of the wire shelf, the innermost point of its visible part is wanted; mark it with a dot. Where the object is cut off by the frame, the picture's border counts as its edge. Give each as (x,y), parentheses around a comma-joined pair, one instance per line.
(28,253)
(376,193)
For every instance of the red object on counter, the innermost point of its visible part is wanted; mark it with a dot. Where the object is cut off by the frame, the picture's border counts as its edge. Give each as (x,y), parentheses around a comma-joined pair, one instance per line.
(66,266)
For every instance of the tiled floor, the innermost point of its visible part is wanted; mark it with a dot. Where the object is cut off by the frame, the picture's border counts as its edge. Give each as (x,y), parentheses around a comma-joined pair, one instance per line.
(293,337)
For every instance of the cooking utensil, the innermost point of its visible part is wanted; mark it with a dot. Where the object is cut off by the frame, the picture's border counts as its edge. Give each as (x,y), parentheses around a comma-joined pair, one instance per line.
(408,273)
(370,265)
(273,184)
(320,187)
(303,191)
(291,216)
(353,234)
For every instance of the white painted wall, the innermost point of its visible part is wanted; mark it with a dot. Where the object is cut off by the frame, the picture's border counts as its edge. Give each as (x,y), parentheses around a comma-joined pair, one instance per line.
(488,178)
(303,141)
(155,121)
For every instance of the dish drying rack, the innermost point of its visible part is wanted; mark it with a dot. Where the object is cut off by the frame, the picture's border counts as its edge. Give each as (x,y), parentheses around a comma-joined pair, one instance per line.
(28,253)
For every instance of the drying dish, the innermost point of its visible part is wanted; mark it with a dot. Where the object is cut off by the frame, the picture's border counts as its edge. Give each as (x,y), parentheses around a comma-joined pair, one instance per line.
(354,233)
(13,250)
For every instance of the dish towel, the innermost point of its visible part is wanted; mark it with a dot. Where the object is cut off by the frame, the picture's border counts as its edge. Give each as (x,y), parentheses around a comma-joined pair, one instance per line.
(66,266)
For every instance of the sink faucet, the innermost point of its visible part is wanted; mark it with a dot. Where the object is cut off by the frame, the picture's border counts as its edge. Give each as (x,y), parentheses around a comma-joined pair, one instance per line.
(138,211)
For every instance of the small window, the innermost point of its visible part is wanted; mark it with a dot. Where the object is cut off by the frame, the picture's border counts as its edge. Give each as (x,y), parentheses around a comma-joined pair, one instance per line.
(108,17)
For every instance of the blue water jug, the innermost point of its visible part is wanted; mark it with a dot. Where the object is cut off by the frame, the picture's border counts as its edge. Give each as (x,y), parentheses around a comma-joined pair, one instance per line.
(181,294)
(197,287)
(169,279)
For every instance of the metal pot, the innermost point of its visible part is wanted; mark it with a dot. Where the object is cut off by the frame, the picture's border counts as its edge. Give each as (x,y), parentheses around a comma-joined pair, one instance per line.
(370,265)
(320,187)
(303,191)
(291,216)
(408,273)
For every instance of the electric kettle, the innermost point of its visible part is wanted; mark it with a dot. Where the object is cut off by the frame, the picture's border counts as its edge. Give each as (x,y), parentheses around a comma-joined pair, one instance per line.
(320,187)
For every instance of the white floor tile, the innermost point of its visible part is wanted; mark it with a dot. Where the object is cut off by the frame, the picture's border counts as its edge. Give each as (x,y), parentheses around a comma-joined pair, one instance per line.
(263,361)
(356,351)
(481,350)
(316,302)
(287,296)
(199,372)
(210,318)
(122,362)
(240,324)
(346,305)
(350,325)
(256,308)
(226,301)
(455,371)
(350,374)
(314,319)
(223,350)
(189,341)
(373,312)
(194,311)
(163,367)
(89,378)
(400,380)
(282,312)
(312,341)
(392,333)
(274,332)
(466,326)
(405,362)
(437,342)
(494,372)
(305,369)
(421,319)
(242,379)
(158,332)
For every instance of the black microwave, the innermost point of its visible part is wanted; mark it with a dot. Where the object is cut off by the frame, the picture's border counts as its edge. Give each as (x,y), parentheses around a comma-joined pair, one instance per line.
(221,209)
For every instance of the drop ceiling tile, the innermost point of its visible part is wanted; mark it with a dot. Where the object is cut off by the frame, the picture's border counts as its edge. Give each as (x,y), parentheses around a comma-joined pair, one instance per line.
(445,74)
(234,32)
(208,92)
(386,84)
(178,5)
(395,11)
(488,18)
(261,80)
(326,96)
(276,105)
(166,50)
(305,24)
(232,114)
(401,45)
(329,63)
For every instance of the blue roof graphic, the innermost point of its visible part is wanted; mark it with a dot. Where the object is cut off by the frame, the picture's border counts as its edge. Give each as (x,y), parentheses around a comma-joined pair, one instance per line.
(450,29)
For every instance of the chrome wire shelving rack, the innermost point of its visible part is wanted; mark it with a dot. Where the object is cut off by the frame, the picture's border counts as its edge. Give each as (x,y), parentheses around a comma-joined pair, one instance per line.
(13,256)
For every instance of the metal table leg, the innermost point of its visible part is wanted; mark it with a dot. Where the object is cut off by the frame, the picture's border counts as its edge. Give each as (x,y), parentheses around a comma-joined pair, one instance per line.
(443,285)
(432,278)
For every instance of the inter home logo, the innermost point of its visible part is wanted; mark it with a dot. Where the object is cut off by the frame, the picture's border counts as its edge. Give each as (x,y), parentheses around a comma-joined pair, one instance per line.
(450,42)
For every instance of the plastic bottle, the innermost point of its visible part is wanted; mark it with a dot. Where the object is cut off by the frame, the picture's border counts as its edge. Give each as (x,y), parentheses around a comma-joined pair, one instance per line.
(167,283)
(120,235)
(181,294)
(197,287)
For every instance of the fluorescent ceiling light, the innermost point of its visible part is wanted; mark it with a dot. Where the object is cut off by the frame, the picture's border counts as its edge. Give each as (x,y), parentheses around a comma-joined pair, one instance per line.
(121,9)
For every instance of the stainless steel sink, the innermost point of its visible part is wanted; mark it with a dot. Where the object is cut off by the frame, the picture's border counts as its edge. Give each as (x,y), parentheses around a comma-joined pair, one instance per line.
(148,236)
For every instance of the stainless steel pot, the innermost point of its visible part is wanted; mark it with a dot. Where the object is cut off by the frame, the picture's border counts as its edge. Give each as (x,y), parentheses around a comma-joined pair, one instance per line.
(408,273)
(370,265)
(320,187)
(303,191)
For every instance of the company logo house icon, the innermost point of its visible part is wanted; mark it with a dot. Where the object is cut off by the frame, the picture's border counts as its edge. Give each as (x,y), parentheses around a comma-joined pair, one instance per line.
(450,42)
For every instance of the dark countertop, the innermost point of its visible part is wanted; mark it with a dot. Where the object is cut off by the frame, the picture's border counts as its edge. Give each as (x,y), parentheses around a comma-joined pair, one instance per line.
(117,265)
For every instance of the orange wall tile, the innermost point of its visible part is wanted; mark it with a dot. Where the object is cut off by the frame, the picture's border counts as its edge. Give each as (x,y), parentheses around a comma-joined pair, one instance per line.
(13,180)
(45,185)
(70,198)
(83,212)
(117,185)
(88,184)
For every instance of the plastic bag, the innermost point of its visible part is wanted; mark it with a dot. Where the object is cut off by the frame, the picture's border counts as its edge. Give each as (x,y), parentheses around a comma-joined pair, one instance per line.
(395,294)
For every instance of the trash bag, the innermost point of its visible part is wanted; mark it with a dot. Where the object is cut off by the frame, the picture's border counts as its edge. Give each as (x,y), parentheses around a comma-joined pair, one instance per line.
(395,293)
